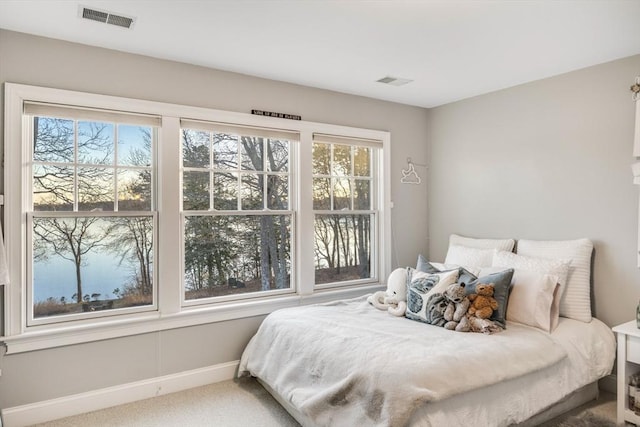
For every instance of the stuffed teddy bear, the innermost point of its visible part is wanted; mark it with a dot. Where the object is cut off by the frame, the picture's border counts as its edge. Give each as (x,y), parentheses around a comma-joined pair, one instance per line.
(394,299)
(457,306)
(482,302)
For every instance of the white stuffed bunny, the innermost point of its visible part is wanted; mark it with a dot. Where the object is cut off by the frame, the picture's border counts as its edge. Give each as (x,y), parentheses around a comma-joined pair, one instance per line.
(394,299)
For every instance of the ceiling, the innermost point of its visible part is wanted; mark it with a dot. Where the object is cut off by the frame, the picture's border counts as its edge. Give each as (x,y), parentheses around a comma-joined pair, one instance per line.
(451,50)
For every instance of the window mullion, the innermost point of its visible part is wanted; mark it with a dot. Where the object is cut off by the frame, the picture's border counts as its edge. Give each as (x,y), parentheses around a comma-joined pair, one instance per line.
(170,225)
(352,179)
(212,173)
(239,172)
(305,255)
(264,173)
(332,180)
(76,181)
(115,167)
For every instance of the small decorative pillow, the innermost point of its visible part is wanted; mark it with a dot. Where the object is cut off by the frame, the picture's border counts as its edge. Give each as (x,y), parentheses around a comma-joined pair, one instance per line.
(470,242)
(469,257)
(421,287)
(531,301)
(501,280)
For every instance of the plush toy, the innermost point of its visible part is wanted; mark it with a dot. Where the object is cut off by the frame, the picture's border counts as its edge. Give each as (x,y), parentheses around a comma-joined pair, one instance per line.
(434,311)
(457,306)
(394,299)
(482,302)
(485,326)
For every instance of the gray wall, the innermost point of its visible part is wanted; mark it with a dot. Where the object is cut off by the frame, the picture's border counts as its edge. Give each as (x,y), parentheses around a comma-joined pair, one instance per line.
(545,160)
(26,59)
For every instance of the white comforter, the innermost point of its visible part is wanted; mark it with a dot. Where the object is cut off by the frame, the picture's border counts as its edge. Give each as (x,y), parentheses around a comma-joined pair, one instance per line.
(347,363)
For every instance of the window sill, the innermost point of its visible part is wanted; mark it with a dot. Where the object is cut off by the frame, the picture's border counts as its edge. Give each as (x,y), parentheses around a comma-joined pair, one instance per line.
(154,322)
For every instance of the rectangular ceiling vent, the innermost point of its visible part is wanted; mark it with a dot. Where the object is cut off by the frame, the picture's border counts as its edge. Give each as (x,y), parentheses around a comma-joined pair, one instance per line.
(394,81)
(106,17)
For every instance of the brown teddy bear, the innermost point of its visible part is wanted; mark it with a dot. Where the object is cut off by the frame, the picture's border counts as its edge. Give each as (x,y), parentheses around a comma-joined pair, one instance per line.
(482,302)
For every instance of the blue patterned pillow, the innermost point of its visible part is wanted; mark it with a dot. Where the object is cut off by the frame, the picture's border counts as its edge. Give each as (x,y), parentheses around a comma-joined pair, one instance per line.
(420,287)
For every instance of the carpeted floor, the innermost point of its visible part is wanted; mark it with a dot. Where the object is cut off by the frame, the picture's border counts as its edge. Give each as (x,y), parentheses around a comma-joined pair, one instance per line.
(587,419)
(597,413)
(230,403)
(245,402)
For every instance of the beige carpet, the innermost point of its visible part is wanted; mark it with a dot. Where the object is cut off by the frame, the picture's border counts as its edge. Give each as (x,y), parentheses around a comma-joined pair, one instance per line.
(238,403)
(231,403)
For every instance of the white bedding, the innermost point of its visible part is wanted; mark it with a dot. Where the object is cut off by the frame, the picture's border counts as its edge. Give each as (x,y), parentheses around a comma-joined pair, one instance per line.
(346,363)
(590,351)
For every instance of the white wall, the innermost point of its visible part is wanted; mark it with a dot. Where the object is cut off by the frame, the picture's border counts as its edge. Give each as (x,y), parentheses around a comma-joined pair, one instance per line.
(545,160)
(40,375)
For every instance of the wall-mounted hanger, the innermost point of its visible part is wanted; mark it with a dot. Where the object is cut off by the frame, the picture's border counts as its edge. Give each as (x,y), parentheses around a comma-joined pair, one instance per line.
(410,176)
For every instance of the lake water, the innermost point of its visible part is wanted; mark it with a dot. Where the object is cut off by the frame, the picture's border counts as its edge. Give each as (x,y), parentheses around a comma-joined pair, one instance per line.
(101,274)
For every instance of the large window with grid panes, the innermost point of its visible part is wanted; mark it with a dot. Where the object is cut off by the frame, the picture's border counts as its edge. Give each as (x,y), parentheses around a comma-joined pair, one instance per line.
(120,209)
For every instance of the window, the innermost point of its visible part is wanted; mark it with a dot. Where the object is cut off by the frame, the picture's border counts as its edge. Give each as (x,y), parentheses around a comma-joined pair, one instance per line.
(155,216)
(91,218)
(236,199)
(344,214)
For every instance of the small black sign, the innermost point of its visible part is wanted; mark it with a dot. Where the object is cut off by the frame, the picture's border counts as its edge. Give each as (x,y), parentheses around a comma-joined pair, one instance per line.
(274,114)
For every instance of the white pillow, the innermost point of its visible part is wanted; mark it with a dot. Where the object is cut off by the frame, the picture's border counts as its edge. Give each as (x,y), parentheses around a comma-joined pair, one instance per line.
(470,242)
(576,299)
(469,257)
(555,267)
(531,300)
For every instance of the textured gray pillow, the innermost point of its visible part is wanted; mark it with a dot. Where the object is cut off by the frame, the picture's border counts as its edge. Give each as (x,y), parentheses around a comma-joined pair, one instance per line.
(501,283)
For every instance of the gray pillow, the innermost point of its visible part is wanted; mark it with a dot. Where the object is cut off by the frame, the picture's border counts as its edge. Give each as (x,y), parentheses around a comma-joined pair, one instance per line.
(464,275)
(425,266)
(501,287)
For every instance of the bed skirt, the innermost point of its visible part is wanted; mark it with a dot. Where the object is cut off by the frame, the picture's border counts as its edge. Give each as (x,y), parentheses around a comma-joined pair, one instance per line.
(579,397)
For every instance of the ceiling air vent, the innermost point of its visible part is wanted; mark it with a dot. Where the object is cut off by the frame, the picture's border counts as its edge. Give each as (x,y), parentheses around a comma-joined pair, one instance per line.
(106,17)
(394,81)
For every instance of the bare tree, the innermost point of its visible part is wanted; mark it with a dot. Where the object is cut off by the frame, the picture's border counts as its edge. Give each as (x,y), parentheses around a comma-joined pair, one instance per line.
(248,246)
(55,149)
(132,239)
(341,185)
(273,236)
(71,239)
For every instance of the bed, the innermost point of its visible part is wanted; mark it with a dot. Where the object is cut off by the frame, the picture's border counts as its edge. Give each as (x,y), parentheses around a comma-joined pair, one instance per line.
(347,363)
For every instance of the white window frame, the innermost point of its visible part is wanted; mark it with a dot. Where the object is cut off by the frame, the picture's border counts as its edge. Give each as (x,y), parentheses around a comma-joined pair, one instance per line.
(239,130)
(78,115)
(374,210)
(171,313)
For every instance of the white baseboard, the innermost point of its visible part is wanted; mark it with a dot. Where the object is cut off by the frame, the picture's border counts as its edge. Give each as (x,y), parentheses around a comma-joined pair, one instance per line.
(67,406)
